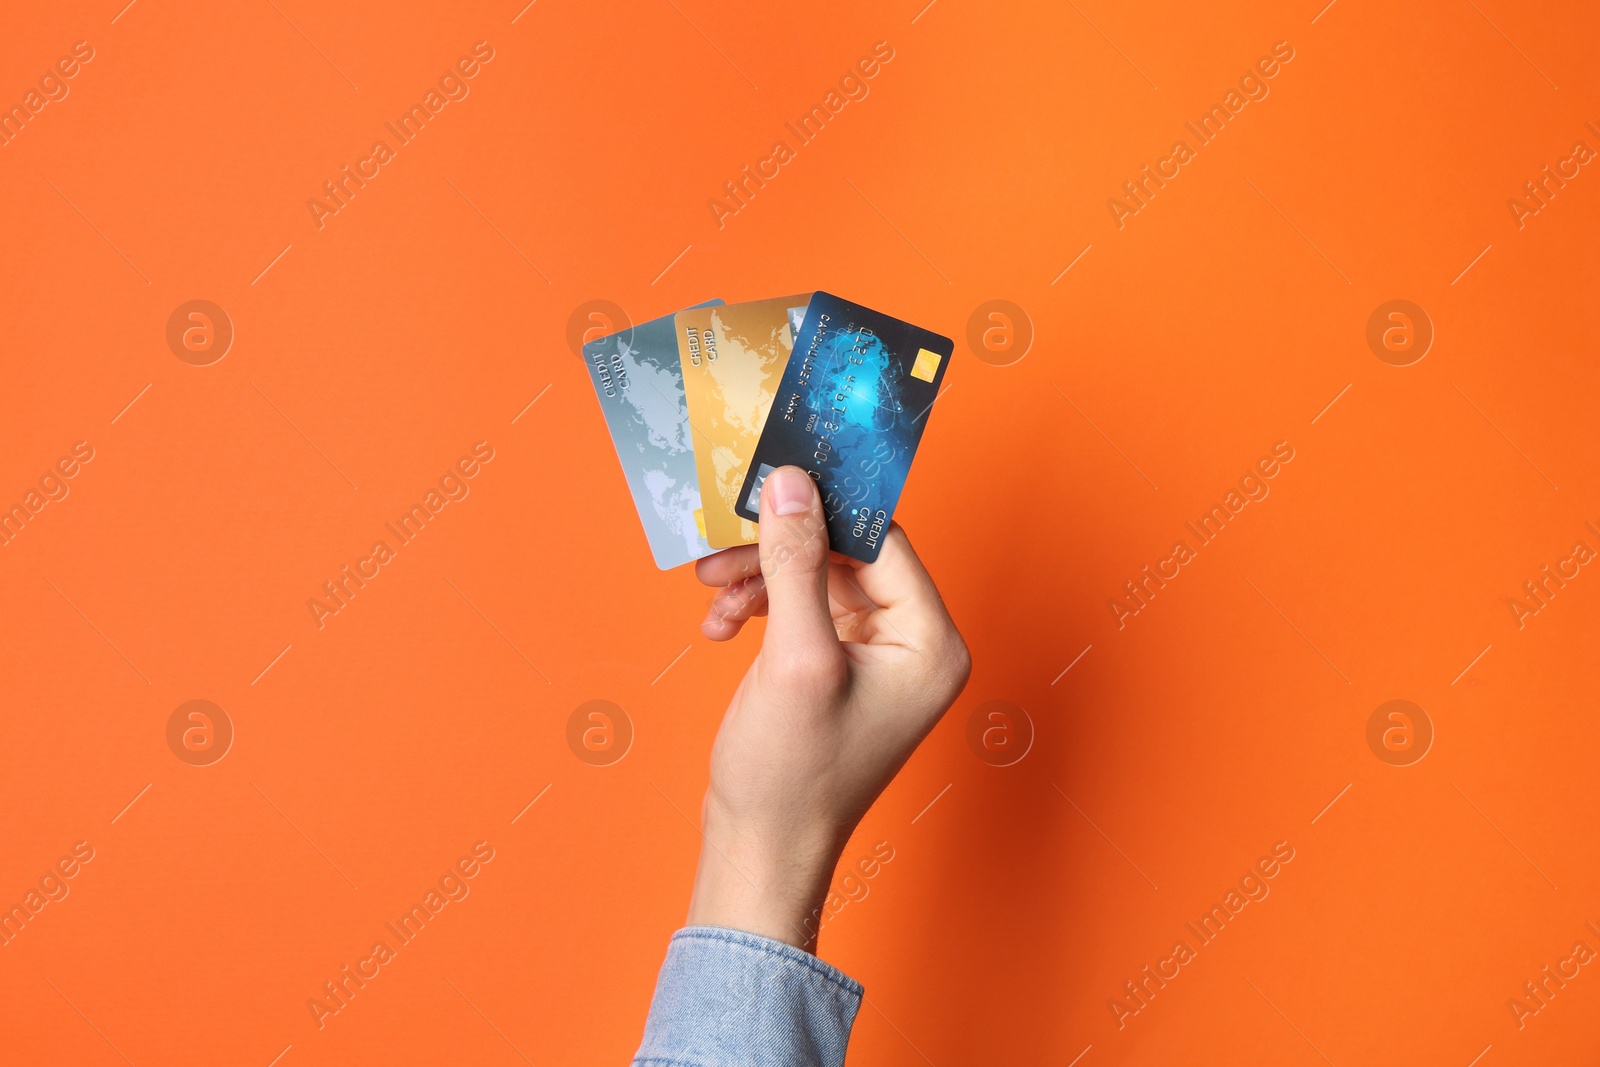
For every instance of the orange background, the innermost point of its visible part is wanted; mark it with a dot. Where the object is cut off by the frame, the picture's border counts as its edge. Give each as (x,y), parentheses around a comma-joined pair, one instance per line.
(427,714)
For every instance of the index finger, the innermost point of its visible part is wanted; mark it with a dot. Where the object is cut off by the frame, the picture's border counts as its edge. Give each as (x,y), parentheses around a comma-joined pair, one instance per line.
(736,564)
(729,566)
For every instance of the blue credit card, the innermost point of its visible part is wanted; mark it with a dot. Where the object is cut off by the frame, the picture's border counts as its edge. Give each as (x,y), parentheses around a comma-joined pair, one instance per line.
(639,382)
(850,410)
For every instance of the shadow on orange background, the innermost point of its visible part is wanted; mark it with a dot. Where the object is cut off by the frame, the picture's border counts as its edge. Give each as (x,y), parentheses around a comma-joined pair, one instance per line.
(1156,347)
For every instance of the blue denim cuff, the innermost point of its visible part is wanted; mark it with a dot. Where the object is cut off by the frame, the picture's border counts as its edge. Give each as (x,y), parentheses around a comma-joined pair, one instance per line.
(727,998)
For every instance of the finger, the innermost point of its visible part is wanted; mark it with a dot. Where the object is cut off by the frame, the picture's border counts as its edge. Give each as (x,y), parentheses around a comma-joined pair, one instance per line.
(729,565)
(794,559)
(744,600)
(740,600)
(845,592)
(716,628)
(733,606)
(900,586)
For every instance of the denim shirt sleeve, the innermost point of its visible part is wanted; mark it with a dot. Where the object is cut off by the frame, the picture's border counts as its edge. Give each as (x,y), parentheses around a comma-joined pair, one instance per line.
(727,998)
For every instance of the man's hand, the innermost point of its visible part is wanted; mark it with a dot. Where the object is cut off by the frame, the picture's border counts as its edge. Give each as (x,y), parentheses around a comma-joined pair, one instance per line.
(858,663)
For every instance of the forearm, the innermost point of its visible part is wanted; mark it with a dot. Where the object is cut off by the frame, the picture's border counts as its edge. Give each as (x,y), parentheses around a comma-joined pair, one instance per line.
(771,882)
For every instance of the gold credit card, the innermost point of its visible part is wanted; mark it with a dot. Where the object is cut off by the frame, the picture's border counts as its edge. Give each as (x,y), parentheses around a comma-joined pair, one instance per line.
(733,357)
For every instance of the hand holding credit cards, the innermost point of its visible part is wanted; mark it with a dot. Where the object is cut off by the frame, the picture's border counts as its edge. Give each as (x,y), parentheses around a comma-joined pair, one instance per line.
(703,405)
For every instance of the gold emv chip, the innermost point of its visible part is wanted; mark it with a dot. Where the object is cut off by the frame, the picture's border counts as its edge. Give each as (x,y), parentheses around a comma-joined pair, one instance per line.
(926,366)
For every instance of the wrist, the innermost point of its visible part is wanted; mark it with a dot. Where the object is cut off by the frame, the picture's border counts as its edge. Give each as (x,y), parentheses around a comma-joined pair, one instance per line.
(767,880)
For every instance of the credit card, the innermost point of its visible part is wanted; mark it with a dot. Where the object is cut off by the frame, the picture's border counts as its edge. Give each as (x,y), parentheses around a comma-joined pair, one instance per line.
(639,382)
(850,410)
(733,357)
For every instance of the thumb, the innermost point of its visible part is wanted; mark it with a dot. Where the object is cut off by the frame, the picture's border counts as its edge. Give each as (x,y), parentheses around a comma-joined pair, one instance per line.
(794,561)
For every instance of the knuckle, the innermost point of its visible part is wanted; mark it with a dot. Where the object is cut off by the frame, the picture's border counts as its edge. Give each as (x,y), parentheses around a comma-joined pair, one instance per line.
(962,664)
(810,673)
(739,598)
(955,659)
